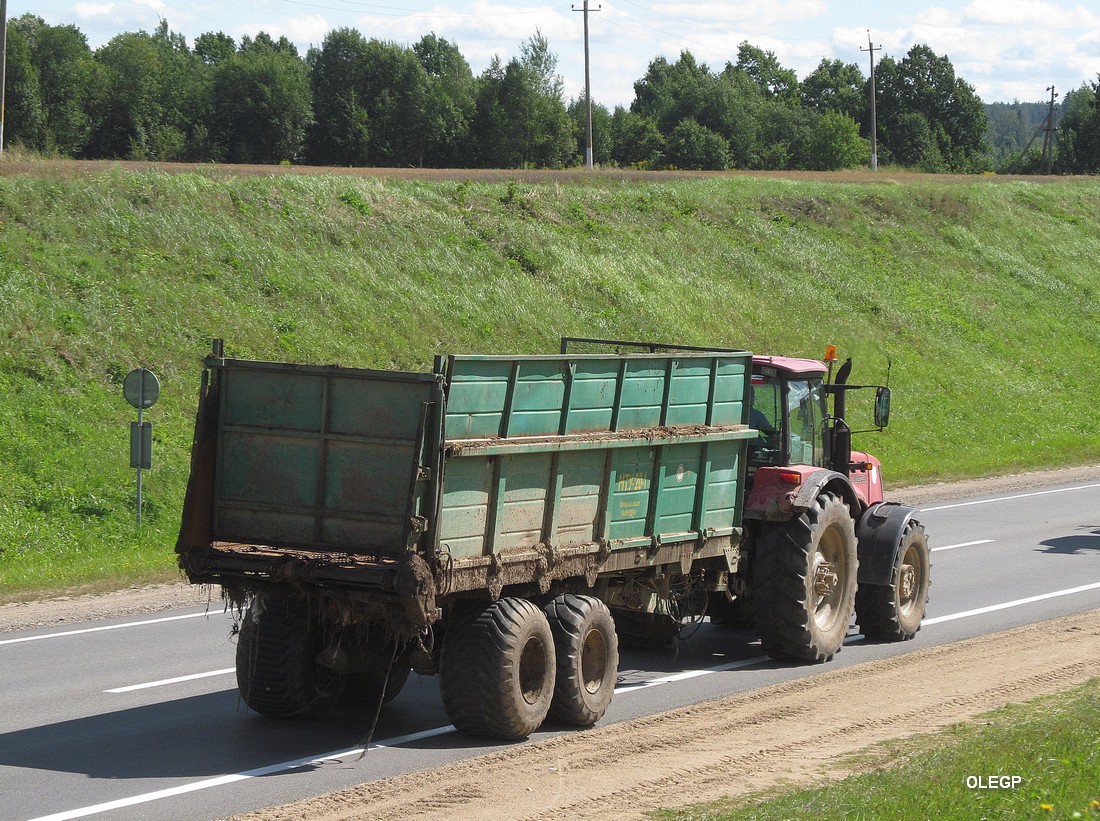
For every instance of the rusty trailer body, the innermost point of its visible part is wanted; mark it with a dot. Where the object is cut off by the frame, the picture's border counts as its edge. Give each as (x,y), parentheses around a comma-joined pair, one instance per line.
(493,471)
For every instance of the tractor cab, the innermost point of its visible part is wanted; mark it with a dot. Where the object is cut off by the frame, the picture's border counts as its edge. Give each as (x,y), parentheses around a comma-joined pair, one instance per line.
(789,409)
(799,411)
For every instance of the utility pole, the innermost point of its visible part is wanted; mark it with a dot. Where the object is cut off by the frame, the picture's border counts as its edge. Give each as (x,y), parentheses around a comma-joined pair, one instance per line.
(872,48)
(1048,138)
(587,88)
(3,66)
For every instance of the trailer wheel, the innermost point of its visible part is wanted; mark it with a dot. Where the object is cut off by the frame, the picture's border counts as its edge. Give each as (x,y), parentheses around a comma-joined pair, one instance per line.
(805,582)
(381,674)
(894,612)
(587,651)
(497,670)
(278,672)
(640,630)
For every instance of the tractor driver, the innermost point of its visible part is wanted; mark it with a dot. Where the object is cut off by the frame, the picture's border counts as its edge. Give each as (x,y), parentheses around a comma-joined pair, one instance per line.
(758,420)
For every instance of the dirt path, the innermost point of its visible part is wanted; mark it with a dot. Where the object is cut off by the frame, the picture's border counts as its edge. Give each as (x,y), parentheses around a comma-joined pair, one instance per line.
(797,732)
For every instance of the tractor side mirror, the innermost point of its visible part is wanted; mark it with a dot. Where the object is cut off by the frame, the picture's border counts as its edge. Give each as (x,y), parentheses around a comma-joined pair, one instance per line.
(882,407)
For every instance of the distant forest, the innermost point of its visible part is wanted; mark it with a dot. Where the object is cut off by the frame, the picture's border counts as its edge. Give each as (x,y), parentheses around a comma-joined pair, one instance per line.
(358,102)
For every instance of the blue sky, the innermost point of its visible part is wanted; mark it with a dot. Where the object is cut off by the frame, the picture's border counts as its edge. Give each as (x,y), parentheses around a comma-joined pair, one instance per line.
(1006,49)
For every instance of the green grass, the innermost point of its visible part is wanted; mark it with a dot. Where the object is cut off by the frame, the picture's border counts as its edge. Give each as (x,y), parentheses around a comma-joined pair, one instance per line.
(1051,744)
(982,294)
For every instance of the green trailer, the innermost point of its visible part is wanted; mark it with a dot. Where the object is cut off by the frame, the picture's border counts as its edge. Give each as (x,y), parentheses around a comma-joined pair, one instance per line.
(491,521)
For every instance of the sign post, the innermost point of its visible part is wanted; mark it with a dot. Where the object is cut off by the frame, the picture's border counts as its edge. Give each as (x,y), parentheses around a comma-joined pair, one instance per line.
(141,389)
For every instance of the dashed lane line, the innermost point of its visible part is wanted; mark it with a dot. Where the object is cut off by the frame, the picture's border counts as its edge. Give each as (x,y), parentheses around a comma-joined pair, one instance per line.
(102,628)
(961,544)
(1010,498)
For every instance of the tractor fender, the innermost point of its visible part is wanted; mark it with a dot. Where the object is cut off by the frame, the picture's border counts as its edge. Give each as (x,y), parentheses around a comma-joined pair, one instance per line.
(781,494)
(826,480)
(879,535)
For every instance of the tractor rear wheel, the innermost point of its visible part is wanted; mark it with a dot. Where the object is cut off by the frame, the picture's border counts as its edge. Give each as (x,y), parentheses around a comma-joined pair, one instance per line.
(587,652)
(804,582)
(894,612)
(279,672)
(497,670)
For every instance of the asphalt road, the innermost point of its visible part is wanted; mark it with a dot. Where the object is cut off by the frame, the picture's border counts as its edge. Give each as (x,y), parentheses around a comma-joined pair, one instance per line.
(139,717)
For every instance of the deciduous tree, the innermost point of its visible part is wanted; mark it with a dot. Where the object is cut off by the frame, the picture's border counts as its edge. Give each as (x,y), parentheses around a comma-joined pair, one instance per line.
(836,86)
(1079,132)
(23,120)
(449,100)
(763,68)
(520,118)
(835,144)
(261,106)
(696,147)
(923,84)
(636,141)
(65,68)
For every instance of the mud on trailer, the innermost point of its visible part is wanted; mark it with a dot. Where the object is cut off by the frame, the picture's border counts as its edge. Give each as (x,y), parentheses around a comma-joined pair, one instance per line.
(499,521)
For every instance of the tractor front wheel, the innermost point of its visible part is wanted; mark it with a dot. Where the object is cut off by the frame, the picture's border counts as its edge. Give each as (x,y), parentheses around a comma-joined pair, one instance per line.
(894,612)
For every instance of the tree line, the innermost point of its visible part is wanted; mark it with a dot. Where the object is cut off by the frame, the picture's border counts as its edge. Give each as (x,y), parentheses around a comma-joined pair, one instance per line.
(358,102)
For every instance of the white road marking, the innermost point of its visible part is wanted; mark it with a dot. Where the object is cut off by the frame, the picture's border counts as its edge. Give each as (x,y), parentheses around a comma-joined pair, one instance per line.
(1010,498)
(105,627)
(687,674)
(962,544)
(1017,603)
(222,780)
(176,680)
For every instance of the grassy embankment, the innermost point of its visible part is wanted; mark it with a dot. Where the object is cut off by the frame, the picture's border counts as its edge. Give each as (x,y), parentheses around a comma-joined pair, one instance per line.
(983,293)
(1050,745)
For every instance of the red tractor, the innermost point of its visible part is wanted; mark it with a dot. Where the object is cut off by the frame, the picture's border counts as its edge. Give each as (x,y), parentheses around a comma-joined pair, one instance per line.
(820,540)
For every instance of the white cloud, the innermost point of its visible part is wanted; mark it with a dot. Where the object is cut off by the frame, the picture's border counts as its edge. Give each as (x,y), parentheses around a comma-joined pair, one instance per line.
(86,11)
(1030,13)
(760,15)
(305,31)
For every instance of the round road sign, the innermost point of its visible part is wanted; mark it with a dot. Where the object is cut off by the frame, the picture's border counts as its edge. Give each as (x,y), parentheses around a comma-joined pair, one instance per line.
(141,388)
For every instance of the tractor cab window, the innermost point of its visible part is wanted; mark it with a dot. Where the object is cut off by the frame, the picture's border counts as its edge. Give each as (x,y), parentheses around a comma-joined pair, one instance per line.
(766,416)
(806,411)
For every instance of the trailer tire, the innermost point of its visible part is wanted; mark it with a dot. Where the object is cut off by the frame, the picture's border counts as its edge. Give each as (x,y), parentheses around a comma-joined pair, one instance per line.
(640,630)
(278,672)
(587,652)
(497,670)
(804,581)
(381,675)
(894,612)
